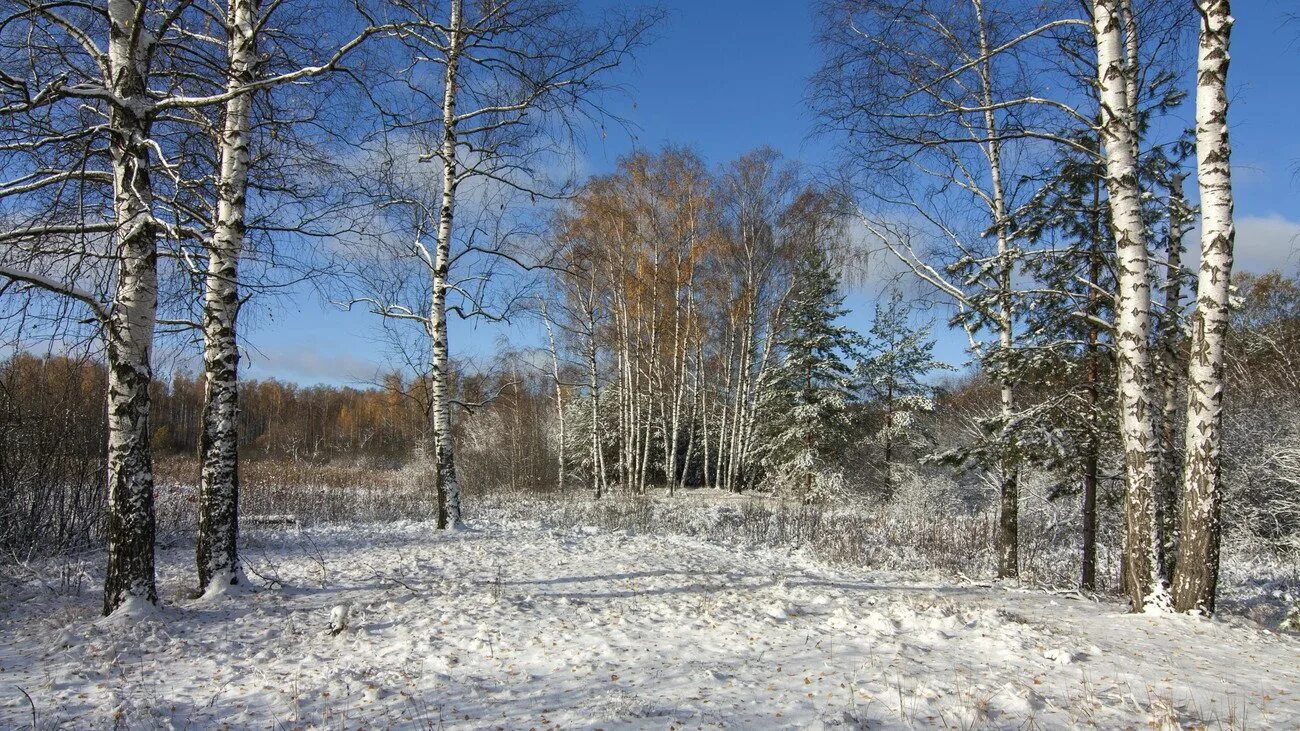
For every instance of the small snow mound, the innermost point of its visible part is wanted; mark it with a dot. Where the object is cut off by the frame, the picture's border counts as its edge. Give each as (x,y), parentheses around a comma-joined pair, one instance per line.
(225,584)
(134,609)
(339,618)
(713,675)
(777,612)
(879,624)
(1059,656)
(925,692)
(67,638)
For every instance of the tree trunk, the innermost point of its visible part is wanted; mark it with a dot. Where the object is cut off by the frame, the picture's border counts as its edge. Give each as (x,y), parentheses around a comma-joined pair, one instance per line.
(217,549)
(889,442)
(130,573)
(1170,328)
(593,372)
(559,398)
(1092,355)
(1197,574)
(1142,580)
(1008,537)
(448,487)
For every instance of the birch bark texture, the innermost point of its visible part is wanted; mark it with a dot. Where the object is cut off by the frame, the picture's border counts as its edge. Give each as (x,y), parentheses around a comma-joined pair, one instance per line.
(1141,580)
(445,480)
(1197,572)
(130,573)
(217,549)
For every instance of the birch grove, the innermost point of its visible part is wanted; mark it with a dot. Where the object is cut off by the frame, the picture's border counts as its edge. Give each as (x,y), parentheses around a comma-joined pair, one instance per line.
(693,270)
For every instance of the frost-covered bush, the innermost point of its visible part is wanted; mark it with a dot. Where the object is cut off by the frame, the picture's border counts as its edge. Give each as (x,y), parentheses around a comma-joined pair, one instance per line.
(1262,474)
(808,481)
(939,535)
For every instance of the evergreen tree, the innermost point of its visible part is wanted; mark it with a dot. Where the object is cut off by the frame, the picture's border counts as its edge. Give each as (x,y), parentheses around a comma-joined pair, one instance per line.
(807,402)
(893,378)
(1069,426)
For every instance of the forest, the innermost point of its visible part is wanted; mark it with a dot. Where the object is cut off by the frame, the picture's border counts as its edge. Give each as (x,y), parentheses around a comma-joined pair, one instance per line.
(747,351)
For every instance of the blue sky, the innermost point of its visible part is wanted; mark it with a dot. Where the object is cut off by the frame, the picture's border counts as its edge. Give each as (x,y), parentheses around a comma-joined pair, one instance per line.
(726,76)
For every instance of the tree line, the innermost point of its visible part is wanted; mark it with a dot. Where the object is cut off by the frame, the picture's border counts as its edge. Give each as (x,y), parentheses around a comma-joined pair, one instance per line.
(900,454)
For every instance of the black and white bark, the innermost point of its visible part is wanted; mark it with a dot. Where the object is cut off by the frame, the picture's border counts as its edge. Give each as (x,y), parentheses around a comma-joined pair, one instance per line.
(1141,580)
(448,486)
(116,120)
(1197,571)
(241,78)
(217,549)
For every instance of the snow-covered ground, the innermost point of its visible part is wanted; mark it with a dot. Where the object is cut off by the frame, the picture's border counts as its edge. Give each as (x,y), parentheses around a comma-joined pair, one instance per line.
(520,627)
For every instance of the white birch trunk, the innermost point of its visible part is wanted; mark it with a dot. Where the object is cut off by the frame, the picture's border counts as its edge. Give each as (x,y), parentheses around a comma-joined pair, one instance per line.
(130,573)
(597,462)
(1008,535)
(1142,580)
(1197,572)
(448,486)
(559,398)
(217,548)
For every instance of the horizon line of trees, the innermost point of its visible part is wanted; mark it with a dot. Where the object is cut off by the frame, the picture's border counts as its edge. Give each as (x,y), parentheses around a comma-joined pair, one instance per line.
(52,435)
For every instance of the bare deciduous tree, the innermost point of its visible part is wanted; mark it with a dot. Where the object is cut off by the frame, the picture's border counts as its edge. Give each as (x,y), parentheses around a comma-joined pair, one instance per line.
(936,100)
(513,77)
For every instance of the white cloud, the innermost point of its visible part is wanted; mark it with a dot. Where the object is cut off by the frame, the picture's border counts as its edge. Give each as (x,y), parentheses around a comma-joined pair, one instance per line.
(1265,243)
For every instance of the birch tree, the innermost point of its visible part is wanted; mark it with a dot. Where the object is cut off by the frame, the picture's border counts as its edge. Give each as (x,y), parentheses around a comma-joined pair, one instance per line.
(217,544)
(1141,580)
(512,77)
(67,73)
(934,100)
(247,72)
(65,95)
(1197,571)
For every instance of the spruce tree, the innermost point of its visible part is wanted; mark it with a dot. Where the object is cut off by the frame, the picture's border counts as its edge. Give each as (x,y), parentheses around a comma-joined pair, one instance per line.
(893,378)
(807,403)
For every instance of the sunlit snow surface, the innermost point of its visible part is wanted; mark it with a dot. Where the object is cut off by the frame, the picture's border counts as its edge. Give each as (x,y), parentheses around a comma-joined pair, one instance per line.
(520,627)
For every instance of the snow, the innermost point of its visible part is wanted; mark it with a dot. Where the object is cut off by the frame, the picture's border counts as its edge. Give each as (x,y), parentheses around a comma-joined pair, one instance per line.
(521,627)
(133,609)
(339,618)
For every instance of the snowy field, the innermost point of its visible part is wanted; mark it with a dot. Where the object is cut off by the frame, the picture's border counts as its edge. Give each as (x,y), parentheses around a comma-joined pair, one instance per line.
(518,627)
